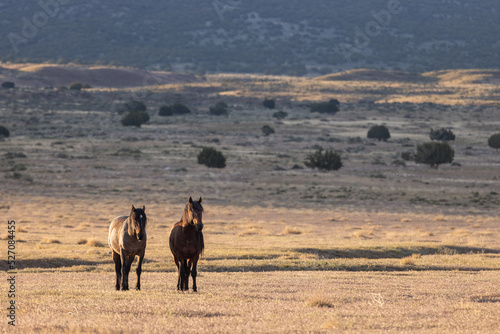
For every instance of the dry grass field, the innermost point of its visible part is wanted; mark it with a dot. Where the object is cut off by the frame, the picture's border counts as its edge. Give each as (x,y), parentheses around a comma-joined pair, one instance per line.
(374,247)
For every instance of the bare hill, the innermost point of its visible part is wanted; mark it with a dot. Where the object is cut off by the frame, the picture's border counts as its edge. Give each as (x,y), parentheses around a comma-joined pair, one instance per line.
(41,75)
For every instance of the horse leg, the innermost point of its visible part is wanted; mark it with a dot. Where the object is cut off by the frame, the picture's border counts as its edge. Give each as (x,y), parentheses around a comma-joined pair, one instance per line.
(178,273)
(182,274)
(118,269)
(138,271)
(194,272)
(188,272)
(126,263)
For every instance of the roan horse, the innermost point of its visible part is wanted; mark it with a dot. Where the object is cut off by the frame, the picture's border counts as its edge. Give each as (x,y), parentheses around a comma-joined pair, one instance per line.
(186,243)
(127,239)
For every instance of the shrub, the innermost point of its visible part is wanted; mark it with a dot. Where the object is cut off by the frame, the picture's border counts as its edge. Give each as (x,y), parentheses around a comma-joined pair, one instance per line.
(212,158)
(135,118)
(269,103)
(165,111)
(4,132)
(441,135)
(8,84)
(408,156)
(324,161)
(131,106)
(180,109)
(267,130)
(379,132)
(280,115)
(434,154)
(219,109)
(494,141)
(75,86)
(331,107)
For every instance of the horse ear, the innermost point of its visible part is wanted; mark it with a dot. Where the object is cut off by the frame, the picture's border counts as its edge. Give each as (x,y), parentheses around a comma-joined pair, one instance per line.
(199,201)
(133,209)
(190,200)
(144,208)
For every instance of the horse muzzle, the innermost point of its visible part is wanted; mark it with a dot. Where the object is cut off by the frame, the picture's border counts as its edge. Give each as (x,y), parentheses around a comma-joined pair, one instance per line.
(140,236)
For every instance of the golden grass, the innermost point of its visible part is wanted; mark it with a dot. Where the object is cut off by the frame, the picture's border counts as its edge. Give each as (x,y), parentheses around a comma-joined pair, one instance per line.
(51,241)
(291,230)
(319,301)
(362,233)
(94,243)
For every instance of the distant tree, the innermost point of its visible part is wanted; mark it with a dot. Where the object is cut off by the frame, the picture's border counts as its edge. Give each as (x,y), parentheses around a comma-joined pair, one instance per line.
(267,130)
(269,103)
(4,132)
(280,115)
(441,135)
(8,84)
(327,161)
(165,111)
(220,108)
(212,158)
(135,118)
(379,132)
(494,141)
(180,109)
(331,107)
(78,86)
(434,154)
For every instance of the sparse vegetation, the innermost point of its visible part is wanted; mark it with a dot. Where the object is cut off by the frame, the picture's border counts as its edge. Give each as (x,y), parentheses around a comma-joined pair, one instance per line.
(434,154)
(212,158)
(494,141)
(78,86)
(331,107)
(269,103)
(166,111)
(280,115)
(8,84)
(219,109)
(442,135)
(135,118)
(379,132)
(267,130)
(4,132)
(327,161)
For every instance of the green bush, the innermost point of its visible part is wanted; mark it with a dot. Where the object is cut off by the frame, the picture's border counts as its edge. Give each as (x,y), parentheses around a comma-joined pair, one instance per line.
(180,109)
(166,111)
(331,107)
(434,154)
(131,106)
(78,86)
(280,115)
(8,84)
(494,141)
(4,132)
(329,160)
(379,132)
(135,118)
(212,158)
(267,130)
(219,109)
(269,103)
(441,135)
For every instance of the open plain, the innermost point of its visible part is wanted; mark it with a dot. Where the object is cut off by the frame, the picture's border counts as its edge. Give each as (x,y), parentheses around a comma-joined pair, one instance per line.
(382,245)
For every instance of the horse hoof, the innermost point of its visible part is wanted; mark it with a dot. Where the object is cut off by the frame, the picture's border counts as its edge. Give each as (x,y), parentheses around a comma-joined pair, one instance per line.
(138,288)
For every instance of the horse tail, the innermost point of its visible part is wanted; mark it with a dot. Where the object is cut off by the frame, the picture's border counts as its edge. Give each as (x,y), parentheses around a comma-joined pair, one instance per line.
(201,242)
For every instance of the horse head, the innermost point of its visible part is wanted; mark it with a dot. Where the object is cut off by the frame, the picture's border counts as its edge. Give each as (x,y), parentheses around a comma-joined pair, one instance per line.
(193,213)
(138,221)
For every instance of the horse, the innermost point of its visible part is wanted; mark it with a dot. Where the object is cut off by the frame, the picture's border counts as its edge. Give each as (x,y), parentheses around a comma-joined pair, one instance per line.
(127,239)
(186,243)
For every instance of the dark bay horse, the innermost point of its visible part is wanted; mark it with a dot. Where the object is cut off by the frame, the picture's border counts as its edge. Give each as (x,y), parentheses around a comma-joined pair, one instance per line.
(127,239)
(186,243)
